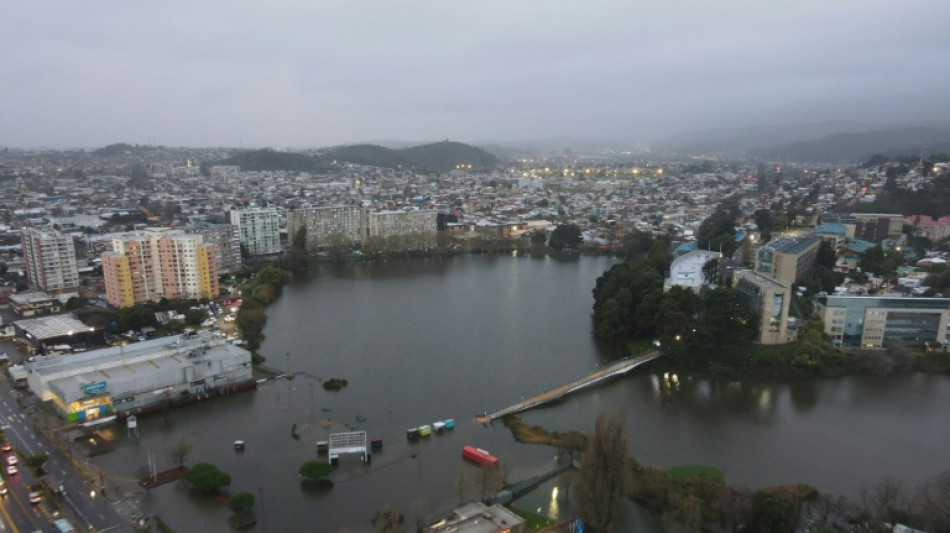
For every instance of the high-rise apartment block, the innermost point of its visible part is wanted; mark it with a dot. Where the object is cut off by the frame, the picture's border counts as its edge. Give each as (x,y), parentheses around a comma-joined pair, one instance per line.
(327,226)
(227,245)
(159,263)
(257,230)
(49,259)
(392,223)
(345,223)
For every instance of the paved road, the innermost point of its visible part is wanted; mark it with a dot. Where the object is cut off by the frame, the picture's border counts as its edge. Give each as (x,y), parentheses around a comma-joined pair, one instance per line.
(79,500)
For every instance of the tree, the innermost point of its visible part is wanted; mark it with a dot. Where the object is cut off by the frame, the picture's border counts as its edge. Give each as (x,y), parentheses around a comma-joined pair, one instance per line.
(179,450)
(315,470)
(811,344)
(300,238)
(387,520)
(605,475)
(241,502)
(826,256)
(932,503)
(774,511)
(765,221)
(206,478)
(488,479)
(565,237)
(36,463)
(725,320)
(887,502)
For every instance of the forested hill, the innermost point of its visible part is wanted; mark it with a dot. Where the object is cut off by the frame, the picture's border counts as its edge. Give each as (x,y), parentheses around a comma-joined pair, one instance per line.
(437,157)
(446,155)
(853,147)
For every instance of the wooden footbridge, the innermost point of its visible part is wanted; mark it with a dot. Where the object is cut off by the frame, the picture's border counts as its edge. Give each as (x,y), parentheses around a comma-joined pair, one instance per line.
(616,368)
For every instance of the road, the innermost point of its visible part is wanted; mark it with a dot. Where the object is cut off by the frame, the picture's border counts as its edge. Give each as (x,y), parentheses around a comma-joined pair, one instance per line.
(80,502)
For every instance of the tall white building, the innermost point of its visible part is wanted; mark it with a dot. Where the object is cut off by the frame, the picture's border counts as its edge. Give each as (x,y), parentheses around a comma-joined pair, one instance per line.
(257,230)
(49,259)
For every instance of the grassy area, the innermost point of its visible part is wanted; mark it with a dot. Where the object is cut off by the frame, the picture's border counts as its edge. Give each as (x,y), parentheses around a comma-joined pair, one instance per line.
(261,369)
(700,472)
(528,434)
(533,521)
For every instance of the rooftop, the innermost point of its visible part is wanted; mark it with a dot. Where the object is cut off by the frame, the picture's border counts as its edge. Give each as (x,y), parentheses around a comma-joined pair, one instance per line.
(477,518)
(48,327)
(791,245)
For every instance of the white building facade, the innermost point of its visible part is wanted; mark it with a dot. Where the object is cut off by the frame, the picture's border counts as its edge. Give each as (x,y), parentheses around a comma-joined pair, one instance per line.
(258,230)
(49,260)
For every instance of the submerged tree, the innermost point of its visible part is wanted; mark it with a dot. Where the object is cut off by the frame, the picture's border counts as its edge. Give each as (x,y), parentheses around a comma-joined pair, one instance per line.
(180,450)
(605,475)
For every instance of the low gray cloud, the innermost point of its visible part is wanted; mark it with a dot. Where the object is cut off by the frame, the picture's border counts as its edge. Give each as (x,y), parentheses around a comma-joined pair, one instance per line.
(298,73)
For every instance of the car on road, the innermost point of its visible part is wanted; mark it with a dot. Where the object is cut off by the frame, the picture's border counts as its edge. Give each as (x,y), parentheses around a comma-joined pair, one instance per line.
(7,447)
(12,470)
(12,460)
(35,497)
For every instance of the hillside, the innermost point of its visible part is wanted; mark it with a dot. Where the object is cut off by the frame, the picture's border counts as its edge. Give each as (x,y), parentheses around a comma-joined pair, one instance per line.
(366,154)
(271,160)
(857,147)
(440,156)
(446,155)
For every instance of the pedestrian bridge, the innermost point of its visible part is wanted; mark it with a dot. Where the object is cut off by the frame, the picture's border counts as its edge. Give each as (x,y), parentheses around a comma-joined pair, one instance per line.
(616,368)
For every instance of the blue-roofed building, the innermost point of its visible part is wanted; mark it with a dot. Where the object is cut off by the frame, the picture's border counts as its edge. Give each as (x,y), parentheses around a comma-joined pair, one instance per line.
(836,233)
(858,246)
(685,248)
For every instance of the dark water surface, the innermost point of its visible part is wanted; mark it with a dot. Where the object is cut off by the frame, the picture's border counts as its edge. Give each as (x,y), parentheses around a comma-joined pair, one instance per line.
(424,340)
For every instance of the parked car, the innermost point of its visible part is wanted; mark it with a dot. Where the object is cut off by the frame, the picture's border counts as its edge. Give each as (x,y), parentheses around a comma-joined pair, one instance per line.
(12,470)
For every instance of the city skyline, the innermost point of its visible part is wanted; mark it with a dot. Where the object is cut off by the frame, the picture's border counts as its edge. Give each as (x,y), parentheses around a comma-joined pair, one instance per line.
(297,74)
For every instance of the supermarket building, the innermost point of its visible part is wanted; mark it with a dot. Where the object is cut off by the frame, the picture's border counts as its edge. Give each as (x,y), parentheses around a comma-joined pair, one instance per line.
(97,386)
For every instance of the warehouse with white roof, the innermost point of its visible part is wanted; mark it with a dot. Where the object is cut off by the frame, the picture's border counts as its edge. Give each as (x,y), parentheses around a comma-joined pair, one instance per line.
(96,386)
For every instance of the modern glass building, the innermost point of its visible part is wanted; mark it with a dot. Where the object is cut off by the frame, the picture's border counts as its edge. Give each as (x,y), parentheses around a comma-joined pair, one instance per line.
(884,321)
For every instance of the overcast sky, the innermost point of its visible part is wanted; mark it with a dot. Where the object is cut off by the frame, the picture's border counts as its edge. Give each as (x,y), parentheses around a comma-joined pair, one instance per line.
(315,73)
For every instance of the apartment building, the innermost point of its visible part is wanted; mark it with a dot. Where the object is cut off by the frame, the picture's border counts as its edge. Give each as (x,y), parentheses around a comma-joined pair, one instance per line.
(227,245)
(384,224)
(345,222)
(787,259)
(49,260)
(159,263)
(258,230)
(884,321)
